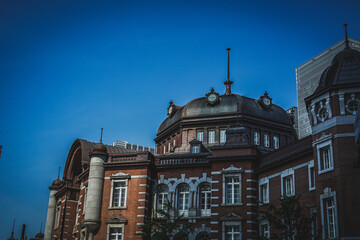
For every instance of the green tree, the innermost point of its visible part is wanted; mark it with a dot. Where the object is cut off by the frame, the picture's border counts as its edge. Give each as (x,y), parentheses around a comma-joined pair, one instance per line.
(163,226)
(288,220)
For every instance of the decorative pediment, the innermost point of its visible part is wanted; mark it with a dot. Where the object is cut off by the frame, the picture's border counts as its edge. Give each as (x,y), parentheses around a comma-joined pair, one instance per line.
(116,219)
(324,137)
(232,169)
(120,175)
(231,217)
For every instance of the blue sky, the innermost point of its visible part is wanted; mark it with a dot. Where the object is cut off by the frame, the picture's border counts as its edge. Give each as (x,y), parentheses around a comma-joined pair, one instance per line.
(68,68)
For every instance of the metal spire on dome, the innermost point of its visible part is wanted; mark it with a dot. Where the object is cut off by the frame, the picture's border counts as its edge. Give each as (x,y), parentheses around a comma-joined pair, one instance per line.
(12,233)
(228,83)
(59,173)
(101,135)
(346,36)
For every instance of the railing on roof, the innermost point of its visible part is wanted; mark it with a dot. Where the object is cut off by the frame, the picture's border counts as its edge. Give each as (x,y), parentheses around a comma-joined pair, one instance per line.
(178,161)
(123,158)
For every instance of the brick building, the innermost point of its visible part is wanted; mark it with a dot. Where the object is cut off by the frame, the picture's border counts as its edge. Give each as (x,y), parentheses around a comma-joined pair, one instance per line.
(217,158)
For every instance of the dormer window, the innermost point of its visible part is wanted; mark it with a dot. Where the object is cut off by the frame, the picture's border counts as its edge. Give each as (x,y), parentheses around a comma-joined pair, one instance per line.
(276,142)
(195,149)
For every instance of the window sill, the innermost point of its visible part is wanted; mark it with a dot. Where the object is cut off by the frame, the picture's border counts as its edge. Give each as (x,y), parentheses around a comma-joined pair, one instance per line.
(311,189)
(325,170)
(117,208)
(263,203)
(232,204)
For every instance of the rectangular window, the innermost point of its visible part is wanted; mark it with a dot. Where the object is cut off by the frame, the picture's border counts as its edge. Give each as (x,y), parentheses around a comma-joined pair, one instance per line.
(174,142)
(330,218)
(288,185)
(169,147)
(195,149)
(232,189)
(256,138)
(119,194)
(222,136)
(200,136)
(116,233)
(264,229)
(325,159)
(264,195)
(57,216)
(276,142)
(211,136)
(311,178)
(164,148)
(205,200)
(232,232)
(266,140)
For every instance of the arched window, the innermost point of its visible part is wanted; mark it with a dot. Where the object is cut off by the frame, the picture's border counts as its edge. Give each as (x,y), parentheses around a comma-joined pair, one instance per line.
(205,199)
(163,192)
(202,236)
(183,199)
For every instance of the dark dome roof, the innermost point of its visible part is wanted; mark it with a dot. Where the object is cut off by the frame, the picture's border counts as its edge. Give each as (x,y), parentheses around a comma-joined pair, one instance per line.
(39,235)
(56,183)
(344,70)
(229,105)
(99,147)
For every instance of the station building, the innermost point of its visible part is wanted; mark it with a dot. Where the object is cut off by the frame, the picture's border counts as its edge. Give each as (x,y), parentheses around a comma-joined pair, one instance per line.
(221,158)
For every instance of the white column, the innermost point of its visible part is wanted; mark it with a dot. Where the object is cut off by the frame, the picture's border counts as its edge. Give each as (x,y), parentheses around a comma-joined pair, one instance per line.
(94,194)
(50,218)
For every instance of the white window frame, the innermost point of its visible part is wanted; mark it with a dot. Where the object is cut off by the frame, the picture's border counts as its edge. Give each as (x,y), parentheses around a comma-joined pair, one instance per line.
(113,181)
(328,194)
(262,182)
(164,148)
(195,149)
(182,209)
(223,136)
(109,226)
(256,137)
(225,187)
(266,140)
(211,136)
(276,141)
(265,235)
(57,215)
(231,224)
(286,174)
(321,146)
(200,136)
(162,196)
(311,176)
(207,210)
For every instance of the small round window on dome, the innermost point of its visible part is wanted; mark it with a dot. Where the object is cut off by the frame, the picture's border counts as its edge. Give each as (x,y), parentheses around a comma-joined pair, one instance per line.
(323,114)
(352,106)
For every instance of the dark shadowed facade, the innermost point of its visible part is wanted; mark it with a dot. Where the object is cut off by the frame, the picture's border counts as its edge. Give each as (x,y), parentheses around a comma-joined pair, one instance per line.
(217,158)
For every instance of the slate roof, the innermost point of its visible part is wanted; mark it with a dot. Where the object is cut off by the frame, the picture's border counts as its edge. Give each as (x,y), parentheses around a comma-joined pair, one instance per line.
(229,105)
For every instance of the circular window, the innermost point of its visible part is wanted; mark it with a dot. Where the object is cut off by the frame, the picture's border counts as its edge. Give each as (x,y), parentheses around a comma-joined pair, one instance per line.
(352,106)
(323,114)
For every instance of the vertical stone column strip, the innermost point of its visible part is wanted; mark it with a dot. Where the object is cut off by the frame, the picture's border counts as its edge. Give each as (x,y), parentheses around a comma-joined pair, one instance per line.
(95,189)
(50,218)
(342,104)
(313,114)
(328,107)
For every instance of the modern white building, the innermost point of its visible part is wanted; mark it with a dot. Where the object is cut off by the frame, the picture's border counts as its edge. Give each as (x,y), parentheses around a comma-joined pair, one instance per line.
(136,147)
